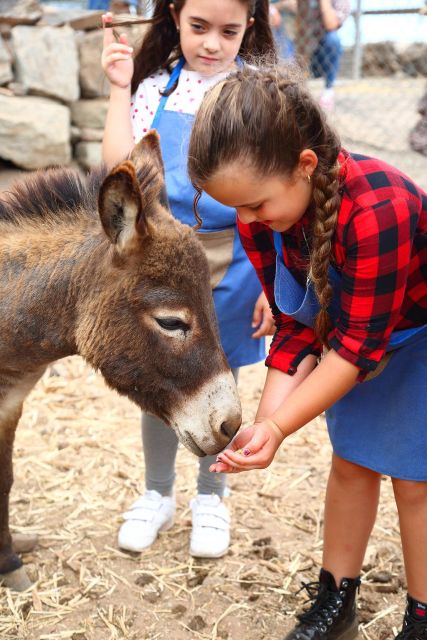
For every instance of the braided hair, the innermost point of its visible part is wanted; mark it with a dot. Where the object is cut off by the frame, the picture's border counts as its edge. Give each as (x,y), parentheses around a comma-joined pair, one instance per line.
(264,118)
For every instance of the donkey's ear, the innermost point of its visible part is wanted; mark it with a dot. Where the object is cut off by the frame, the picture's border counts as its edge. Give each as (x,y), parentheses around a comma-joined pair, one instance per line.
(121,207)
(148,149)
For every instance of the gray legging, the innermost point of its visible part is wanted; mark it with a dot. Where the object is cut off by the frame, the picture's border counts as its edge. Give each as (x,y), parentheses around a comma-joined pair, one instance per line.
(160,445)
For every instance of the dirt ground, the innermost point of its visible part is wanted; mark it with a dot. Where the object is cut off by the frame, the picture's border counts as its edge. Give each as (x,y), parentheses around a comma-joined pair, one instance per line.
(78,466)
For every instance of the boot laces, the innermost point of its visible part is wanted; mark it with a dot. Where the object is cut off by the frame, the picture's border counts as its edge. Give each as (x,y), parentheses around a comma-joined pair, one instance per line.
(325,608)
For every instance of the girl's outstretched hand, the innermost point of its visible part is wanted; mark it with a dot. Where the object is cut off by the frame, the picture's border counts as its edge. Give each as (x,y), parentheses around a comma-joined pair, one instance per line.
(262,318)
(252,448)
(116,56)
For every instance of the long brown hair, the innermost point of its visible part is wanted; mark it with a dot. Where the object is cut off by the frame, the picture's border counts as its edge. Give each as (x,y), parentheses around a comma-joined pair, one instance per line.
(264,117)
(160,47)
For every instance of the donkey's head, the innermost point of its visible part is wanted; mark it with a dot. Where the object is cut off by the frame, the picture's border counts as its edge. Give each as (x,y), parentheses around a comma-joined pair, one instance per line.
(151,327)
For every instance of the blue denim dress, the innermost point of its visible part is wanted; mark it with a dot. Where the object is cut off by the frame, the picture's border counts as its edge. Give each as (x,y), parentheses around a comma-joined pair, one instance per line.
(380,424)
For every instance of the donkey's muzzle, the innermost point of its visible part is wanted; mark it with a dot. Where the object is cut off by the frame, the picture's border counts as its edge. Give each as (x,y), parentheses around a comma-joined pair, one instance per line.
(209,419)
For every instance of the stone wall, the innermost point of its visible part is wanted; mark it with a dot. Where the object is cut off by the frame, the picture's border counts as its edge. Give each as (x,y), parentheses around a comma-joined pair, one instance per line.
(53,92)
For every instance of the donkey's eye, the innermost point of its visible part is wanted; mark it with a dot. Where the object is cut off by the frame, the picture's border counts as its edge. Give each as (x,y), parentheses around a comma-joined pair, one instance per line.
(173,324)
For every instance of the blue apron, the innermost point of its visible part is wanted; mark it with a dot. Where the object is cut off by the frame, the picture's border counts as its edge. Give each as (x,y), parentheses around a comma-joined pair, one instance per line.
(380,424)
(235,285)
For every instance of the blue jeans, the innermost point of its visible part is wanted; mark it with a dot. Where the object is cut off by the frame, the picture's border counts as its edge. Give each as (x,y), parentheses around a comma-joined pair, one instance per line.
(284,44)
(98,4)
(326,59)
(105,4)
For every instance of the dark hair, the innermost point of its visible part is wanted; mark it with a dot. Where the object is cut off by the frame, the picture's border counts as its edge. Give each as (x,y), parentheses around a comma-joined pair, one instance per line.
(264,118)
(160,47)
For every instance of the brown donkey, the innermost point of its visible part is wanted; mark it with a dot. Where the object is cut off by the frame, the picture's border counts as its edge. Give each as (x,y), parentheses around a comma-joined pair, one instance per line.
(100,268)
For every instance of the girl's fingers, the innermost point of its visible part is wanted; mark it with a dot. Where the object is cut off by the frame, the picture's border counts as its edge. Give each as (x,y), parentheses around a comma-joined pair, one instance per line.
(118,48)
(257,315)
(108,33)
(234,460)
(251,445)
(263,329)
(120,55)
(220,467)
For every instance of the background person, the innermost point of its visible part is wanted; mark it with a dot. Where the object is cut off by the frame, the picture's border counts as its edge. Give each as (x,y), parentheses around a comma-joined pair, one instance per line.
(282,21)
(318,41)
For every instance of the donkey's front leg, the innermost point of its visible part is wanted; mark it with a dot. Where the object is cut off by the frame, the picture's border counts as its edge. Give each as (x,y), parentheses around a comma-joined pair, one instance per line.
(12,395)
(12,573)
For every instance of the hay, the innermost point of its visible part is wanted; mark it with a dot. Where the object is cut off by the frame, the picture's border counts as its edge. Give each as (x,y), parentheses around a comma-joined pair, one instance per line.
(78,466)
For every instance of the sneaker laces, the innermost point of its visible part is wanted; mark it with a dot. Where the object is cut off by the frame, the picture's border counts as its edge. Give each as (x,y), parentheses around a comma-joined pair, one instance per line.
(326,605)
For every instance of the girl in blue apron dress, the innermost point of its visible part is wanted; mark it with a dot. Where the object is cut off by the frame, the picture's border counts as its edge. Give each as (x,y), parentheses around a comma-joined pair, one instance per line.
(339,242)
(188,47)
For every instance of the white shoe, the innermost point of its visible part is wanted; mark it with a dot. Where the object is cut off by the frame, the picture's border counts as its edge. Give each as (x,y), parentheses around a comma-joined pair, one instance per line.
(150,514)
(210,536)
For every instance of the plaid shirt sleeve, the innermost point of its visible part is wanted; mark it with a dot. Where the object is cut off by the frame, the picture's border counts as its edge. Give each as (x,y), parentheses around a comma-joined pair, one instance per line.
(378,247)
(292,340)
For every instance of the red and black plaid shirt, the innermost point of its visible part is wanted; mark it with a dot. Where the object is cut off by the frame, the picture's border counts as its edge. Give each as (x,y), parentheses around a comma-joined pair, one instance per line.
(380,249)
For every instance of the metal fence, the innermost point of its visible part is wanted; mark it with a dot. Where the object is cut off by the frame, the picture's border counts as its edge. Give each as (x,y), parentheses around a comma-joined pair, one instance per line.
(382,75)
(376,99)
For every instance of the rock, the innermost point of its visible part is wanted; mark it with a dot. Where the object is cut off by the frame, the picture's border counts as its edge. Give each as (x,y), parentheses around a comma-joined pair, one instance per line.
(17,89)
(262,542)
(380,59)
(89,114)
(88,135)
(178,610)
(197,623)
(88,154)
(152,597)
(413,60)
(93,82)
(34,132)
(15,12)
(381,576)
(6,74)
(418,135)
(24,542)
(46,61)
(144,579)
(197,578)
(422,106)
(77,19)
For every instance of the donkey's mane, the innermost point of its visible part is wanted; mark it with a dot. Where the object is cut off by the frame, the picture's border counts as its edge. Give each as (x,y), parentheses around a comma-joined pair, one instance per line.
(48,194)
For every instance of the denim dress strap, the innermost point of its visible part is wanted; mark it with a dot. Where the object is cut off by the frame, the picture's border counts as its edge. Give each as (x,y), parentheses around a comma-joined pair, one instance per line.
(176,72)
(295,300)
(301,303)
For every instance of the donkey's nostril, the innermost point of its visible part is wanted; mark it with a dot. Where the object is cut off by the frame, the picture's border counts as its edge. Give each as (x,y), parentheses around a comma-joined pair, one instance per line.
(229,428)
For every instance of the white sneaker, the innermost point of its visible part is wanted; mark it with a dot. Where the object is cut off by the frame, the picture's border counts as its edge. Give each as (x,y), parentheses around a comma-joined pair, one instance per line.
(210,536)
(150,514)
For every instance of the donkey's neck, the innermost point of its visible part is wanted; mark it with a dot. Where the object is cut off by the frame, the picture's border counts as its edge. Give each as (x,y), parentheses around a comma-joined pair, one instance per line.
(43,275)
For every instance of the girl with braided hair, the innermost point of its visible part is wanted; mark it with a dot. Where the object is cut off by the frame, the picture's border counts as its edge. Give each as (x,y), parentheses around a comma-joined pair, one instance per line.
(339,242)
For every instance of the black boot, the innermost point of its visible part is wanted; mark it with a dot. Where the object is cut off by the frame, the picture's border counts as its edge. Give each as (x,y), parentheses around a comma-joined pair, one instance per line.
(415,621)
(332,616)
